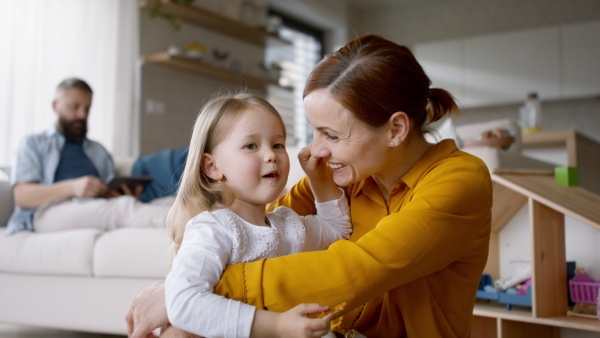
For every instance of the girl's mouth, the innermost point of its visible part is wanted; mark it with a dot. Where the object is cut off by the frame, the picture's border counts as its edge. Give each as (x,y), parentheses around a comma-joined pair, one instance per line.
(271,175)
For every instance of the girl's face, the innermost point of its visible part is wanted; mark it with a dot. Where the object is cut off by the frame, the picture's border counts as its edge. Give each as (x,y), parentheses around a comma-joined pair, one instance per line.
(252,157)
(352,149)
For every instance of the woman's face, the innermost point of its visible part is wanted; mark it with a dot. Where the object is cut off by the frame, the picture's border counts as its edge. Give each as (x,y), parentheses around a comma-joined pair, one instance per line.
(353,149)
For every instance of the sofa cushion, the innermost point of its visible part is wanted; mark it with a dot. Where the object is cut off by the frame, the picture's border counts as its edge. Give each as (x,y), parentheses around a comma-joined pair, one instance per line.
(132,252)
(52,253)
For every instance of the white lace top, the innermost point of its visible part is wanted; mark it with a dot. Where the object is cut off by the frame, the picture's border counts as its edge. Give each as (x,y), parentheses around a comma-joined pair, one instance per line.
(217,238)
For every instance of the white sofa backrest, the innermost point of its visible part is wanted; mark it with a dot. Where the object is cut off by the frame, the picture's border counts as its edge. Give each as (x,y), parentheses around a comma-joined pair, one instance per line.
(6,199)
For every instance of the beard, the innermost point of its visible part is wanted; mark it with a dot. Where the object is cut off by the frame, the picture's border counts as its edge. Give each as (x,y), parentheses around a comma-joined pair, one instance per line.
(73,130)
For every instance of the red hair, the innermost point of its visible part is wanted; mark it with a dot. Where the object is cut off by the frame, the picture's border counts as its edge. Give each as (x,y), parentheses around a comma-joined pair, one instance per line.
(374,78)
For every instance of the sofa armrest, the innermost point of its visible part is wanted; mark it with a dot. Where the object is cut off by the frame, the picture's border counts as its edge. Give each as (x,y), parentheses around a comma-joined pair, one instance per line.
(6,201)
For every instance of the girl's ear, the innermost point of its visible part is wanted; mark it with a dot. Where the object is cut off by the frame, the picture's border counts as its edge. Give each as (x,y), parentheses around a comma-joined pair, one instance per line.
(399,124)
(209,166)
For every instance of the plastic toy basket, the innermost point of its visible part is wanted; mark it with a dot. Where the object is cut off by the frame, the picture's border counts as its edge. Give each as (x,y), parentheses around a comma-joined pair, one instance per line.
(584,292)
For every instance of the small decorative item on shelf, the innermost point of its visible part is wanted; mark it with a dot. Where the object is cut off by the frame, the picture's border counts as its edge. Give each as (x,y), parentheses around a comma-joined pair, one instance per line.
(584,292)
(174,50)
(195,50)
(155,12)
(236,66)
(567,176)
(531,114)
(274,23)
(272,70)
(219,57)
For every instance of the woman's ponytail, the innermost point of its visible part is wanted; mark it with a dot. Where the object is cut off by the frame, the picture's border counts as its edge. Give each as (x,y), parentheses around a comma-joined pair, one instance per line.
(440,103)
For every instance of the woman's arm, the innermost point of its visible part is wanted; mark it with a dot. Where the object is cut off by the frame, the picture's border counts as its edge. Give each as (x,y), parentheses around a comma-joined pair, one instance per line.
(450,205)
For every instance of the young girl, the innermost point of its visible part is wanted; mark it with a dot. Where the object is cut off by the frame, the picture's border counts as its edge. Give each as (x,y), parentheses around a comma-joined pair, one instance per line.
(237,163)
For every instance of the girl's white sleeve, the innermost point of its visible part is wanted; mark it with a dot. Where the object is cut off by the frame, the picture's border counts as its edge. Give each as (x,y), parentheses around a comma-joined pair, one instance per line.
(197,268)
(331,223)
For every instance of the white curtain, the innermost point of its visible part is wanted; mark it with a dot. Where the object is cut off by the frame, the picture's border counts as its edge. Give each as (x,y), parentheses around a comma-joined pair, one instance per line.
(43,42)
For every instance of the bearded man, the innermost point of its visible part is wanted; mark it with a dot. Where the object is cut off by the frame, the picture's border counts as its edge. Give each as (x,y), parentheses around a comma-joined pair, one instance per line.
(59,176)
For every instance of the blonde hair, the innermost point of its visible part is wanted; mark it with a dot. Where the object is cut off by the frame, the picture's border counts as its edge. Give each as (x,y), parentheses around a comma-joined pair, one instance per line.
(197,192)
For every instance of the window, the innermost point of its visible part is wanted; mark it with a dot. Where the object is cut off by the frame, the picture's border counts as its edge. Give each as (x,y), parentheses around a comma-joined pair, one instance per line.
(45,42)
(296,62)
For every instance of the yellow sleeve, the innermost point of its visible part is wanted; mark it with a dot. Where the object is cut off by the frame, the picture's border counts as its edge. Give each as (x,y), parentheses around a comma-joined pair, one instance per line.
(447,217)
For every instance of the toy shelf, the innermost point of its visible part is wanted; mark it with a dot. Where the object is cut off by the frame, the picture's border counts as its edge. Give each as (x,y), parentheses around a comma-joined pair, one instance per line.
(203,68)
(548,203)
(499,312)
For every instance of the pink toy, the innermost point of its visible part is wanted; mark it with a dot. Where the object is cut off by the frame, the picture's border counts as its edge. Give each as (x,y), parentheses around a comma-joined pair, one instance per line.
(584,291)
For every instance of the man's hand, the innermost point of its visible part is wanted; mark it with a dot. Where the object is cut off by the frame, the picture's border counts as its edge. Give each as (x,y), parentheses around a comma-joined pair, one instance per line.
(88,186)
(147,312)
(125,190)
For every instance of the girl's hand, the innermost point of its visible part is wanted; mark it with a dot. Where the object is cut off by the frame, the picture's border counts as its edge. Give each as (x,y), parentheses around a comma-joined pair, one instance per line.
(314,168)
(295,322)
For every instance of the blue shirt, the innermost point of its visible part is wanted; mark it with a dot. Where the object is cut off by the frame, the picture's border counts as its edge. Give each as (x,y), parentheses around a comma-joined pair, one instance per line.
(74,163)
(36,161)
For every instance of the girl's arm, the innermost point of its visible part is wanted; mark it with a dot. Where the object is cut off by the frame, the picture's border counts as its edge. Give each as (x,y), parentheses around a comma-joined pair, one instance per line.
(191,304)
(331,223)
(319,176)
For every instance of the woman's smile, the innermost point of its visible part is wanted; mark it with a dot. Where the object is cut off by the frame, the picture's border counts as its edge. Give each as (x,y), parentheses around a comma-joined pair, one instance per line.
(336,166)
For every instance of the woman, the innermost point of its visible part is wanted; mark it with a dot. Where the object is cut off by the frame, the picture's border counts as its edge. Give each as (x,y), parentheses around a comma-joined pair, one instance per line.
(421,212)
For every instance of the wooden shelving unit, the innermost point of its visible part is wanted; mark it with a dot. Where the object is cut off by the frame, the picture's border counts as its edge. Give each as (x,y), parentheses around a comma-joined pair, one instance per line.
(202,68)
(582,152)
(218,23)
(548,202)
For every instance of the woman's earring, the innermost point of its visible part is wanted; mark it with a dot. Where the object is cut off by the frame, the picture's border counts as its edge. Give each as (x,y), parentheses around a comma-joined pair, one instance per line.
(392,144)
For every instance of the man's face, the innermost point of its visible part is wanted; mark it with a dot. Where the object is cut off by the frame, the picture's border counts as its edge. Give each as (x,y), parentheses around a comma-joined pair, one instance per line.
(72,107)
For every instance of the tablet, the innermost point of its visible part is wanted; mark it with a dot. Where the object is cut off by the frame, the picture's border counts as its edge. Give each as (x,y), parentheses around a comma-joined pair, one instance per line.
(130,181)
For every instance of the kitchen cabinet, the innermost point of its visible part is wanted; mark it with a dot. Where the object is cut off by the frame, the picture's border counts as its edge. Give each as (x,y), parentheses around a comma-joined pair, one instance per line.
(557,62)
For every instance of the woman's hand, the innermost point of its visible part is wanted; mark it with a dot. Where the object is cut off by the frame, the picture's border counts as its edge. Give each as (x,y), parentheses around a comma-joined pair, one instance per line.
(147,312)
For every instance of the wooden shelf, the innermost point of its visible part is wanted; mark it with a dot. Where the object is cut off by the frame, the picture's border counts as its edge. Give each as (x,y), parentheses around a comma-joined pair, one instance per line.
(582,152)
(548,202)
(576,202)
(203,68)
(521,315)
(216,22)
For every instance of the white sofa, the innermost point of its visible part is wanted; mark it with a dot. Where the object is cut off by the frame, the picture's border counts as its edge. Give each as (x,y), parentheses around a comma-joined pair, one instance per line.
(81,280)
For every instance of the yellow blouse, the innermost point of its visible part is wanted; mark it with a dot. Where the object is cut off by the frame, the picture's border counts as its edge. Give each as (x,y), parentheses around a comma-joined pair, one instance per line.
(412,265)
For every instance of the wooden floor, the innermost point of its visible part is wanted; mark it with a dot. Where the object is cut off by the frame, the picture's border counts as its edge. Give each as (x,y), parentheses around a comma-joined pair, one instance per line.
(13,331)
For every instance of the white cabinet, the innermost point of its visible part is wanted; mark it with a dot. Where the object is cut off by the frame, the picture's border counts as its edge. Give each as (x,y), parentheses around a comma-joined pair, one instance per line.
(444,63)
(558,62)
(505,67)
(581,59)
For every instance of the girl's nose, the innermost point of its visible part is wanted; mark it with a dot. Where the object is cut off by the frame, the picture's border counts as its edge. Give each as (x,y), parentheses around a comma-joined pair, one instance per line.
(269,155)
